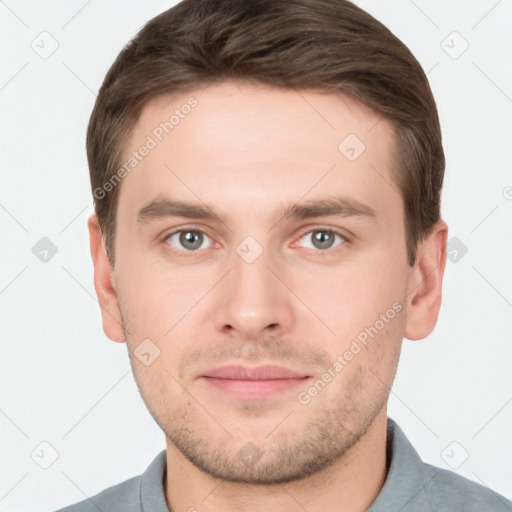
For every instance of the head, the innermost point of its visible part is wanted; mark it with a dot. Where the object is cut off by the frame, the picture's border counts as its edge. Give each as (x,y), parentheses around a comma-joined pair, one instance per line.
(266,193)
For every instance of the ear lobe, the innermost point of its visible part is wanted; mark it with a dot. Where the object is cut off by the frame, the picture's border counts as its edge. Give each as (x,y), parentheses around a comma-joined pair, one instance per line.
(425,284)
(104,283)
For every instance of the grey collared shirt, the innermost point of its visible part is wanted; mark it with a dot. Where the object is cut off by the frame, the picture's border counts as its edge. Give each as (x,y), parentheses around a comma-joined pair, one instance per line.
(410,486)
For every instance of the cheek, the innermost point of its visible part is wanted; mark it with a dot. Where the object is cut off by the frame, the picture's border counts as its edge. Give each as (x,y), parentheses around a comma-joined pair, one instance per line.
(155,298)
(160,309)
(157,382)
(354,297)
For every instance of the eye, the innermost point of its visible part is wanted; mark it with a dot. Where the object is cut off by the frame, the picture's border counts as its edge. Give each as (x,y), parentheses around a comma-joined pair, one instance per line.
(188,239)
(322,239)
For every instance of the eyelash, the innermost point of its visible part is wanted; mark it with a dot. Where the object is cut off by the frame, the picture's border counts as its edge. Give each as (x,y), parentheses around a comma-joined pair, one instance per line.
(188,254)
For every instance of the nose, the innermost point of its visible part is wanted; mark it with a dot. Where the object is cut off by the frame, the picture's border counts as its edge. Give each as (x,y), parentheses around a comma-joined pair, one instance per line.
(252,301)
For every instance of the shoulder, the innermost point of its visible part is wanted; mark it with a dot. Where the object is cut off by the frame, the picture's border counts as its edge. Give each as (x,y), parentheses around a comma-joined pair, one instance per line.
(124,496)
(414,486)
(142,492)
(448,491)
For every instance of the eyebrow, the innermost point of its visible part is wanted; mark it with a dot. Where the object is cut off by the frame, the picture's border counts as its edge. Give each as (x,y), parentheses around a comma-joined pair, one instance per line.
(162,208)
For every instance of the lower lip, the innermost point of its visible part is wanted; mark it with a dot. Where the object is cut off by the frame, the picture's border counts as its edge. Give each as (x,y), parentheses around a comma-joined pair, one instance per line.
(254,388)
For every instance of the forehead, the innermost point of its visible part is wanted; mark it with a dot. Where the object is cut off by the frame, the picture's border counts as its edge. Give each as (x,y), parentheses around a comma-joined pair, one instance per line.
(227,140)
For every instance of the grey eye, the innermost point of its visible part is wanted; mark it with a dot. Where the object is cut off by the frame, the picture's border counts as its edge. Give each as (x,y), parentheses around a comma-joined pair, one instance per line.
(188,239)
(321,239)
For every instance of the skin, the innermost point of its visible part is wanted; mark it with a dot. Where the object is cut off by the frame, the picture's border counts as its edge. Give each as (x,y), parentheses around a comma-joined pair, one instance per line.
(249,151)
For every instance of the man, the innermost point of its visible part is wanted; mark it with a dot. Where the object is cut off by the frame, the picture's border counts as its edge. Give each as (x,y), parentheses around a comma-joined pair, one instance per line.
(267,178)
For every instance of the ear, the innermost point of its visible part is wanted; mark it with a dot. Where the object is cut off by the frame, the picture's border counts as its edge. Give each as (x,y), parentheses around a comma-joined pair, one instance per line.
(104,283)
(425,284)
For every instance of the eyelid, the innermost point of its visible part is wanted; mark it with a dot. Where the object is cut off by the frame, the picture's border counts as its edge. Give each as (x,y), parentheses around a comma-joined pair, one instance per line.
(166,234)
(318,227)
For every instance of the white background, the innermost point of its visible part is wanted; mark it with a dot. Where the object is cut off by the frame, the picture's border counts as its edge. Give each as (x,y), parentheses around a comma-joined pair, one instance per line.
(63,382)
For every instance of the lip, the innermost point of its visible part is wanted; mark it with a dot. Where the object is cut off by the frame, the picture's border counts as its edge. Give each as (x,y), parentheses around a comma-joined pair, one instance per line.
(256,383)
(266,372)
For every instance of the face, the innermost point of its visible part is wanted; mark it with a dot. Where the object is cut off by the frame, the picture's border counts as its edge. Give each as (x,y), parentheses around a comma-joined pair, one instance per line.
(261,276)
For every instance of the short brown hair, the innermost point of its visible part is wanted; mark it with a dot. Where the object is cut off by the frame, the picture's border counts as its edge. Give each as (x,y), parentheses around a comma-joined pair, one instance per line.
(330,45)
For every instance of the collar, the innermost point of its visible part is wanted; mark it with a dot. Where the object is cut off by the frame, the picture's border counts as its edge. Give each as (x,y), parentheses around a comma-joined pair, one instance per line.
(407,478)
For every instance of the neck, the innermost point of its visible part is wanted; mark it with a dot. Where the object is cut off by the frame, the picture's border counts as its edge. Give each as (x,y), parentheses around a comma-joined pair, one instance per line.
(350,484)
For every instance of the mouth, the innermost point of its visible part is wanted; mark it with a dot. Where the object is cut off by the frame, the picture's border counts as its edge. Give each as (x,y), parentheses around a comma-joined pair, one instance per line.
(257,382)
